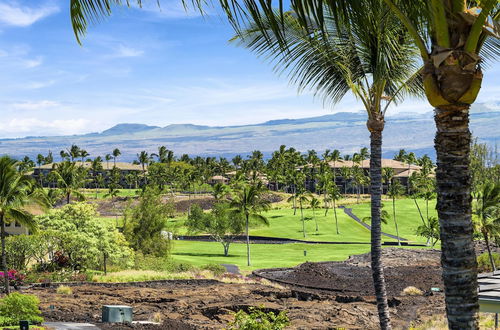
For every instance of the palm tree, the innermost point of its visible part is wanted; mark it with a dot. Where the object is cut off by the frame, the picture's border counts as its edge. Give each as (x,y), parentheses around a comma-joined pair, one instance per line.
(83,153)
(395,190)
(220,191)
(333,196)
(70,178)
(74,152)
(96,168)
(17,191)
(116,153)
(108,157)
(143,159)
(486,216)
(363,59)
(248,203)
(302,198)
(315,203)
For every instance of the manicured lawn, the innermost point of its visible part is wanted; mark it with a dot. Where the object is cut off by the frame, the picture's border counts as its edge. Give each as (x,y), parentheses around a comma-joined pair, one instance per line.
(407,216)
(263,255)
(101,193)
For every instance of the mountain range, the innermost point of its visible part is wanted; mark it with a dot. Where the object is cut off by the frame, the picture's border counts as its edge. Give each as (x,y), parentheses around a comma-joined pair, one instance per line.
(345,131)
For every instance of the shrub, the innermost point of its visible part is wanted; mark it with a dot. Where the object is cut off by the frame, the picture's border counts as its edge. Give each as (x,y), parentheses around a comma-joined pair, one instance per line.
(150,262)
(258,319)
(483,262)
(217,269)
(16,307)
(64,289)
(16,279)
(412,291)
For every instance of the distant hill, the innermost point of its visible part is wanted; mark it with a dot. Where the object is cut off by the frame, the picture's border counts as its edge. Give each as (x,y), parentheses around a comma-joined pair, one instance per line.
(344,131)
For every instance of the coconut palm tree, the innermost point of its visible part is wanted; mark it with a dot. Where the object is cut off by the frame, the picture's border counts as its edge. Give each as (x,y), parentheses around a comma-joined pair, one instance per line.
(70,178)
(315,204)
(376,62)
(116,153)
(73,152)
(83,153)
(17,191)
(220,191)
(395,190)
(108,157)
(248,203)
(96,168)
(485,214)
(333,196)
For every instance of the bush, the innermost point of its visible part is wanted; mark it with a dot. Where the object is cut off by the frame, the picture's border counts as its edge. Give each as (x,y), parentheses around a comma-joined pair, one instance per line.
(484,264)
(16,307)
(412,291)
(64,289)
(150,262)
(258,319)
(16,279)
(217,269)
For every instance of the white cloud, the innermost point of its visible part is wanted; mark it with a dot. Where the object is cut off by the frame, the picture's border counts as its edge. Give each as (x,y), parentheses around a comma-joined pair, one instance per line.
(16,15)
(32,63)
(32,126)
(34,105)
(124,51)
(39,84)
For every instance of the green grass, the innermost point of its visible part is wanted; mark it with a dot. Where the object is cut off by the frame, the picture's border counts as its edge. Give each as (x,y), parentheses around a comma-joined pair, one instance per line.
(407,216)
(284,224)
(263,255)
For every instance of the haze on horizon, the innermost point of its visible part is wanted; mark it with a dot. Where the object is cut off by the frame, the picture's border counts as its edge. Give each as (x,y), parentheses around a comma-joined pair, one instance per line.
(144,66)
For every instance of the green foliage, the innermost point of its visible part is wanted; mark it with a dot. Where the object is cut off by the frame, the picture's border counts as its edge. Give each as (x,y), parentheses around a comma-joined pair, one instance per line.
(484,264)
(16,307)
(258,319)
(75,231)
(150,262)
(145,222)
(217,269)
(221,224)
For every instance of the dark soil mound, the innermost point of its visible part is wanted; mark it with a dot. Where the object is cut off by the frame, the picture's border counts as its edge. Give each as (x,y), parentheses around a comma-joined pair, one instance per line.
(206,203)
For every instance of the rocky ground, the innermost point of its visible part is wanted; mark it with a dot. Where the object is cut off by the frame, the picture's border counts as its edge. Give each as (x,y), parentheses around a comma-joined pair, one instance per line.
(324,295)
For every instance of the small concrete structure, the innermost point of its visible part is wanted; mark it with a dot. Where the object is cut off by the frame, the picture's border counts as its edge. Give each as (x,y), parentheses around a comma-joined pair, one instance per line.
(116,313)
(489,292)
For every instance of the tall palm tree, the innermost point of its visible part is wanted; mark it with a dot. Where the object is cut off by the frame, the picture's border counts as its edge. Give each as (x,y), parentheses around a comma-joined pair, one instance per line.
(220,191)
(74,152)
(70,178)
(83,153)
(17,191)
(395,190)
(333,196)
(315,203)
(485,214)
(116,153)
(248,203)
(108,157)
(96,168)
(376,62)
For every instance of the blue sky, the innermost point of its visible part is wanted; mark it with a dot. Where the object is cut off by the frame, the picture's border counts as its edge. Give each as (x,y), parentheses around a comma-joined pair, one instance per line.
(143,66)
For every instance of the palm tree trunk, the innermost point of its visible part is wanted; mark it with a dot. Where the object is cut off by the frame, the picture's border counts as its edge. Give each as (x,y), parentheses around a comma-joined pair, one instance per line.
(302,217)
(315,220)
(486,240)
(376,247)
(458,258)
(4,256)
(394,216)
(335,213)
(248,242)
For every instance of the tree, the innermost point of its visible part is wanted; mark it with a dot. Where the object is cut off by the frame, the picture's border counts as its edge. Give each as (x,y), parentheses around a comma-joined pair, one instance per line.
(315,203)
(222,225)
(108,157)
(70,178)
(302,197)
(17,191)
(96,169)
(395,190)
(486,214)
(220,191)
(116,153)
(334,195)
(248,203)
(73,152)
(145,222)
(429,230)
(83,153)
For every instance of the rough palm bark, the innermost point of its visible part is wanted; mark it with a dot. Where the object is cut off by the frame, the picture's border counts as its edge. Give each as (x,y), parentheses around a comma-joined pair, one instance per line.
(458,258)
(248,239)
(376,127)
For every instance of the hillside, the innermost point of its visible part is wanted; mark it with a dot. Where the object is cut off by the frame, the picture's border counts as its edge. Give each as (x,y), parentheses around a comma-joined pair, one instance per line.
(344,131)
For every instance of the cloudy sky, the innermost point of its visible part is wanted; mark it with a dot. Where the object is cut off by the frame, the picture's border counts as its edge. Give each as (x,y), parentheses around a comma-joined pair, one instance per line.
(142,66)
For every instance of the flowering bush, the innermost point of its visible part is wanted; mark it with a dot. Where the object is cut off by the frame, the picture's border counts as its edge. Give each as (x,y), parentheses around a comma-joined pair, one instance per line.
(16,279)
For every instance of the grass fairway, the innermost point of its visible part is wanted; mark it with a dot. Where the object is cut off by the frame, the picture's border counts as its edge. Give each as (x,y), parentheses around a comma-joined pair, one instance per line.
(263,255)
(284,224)
(407,216)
